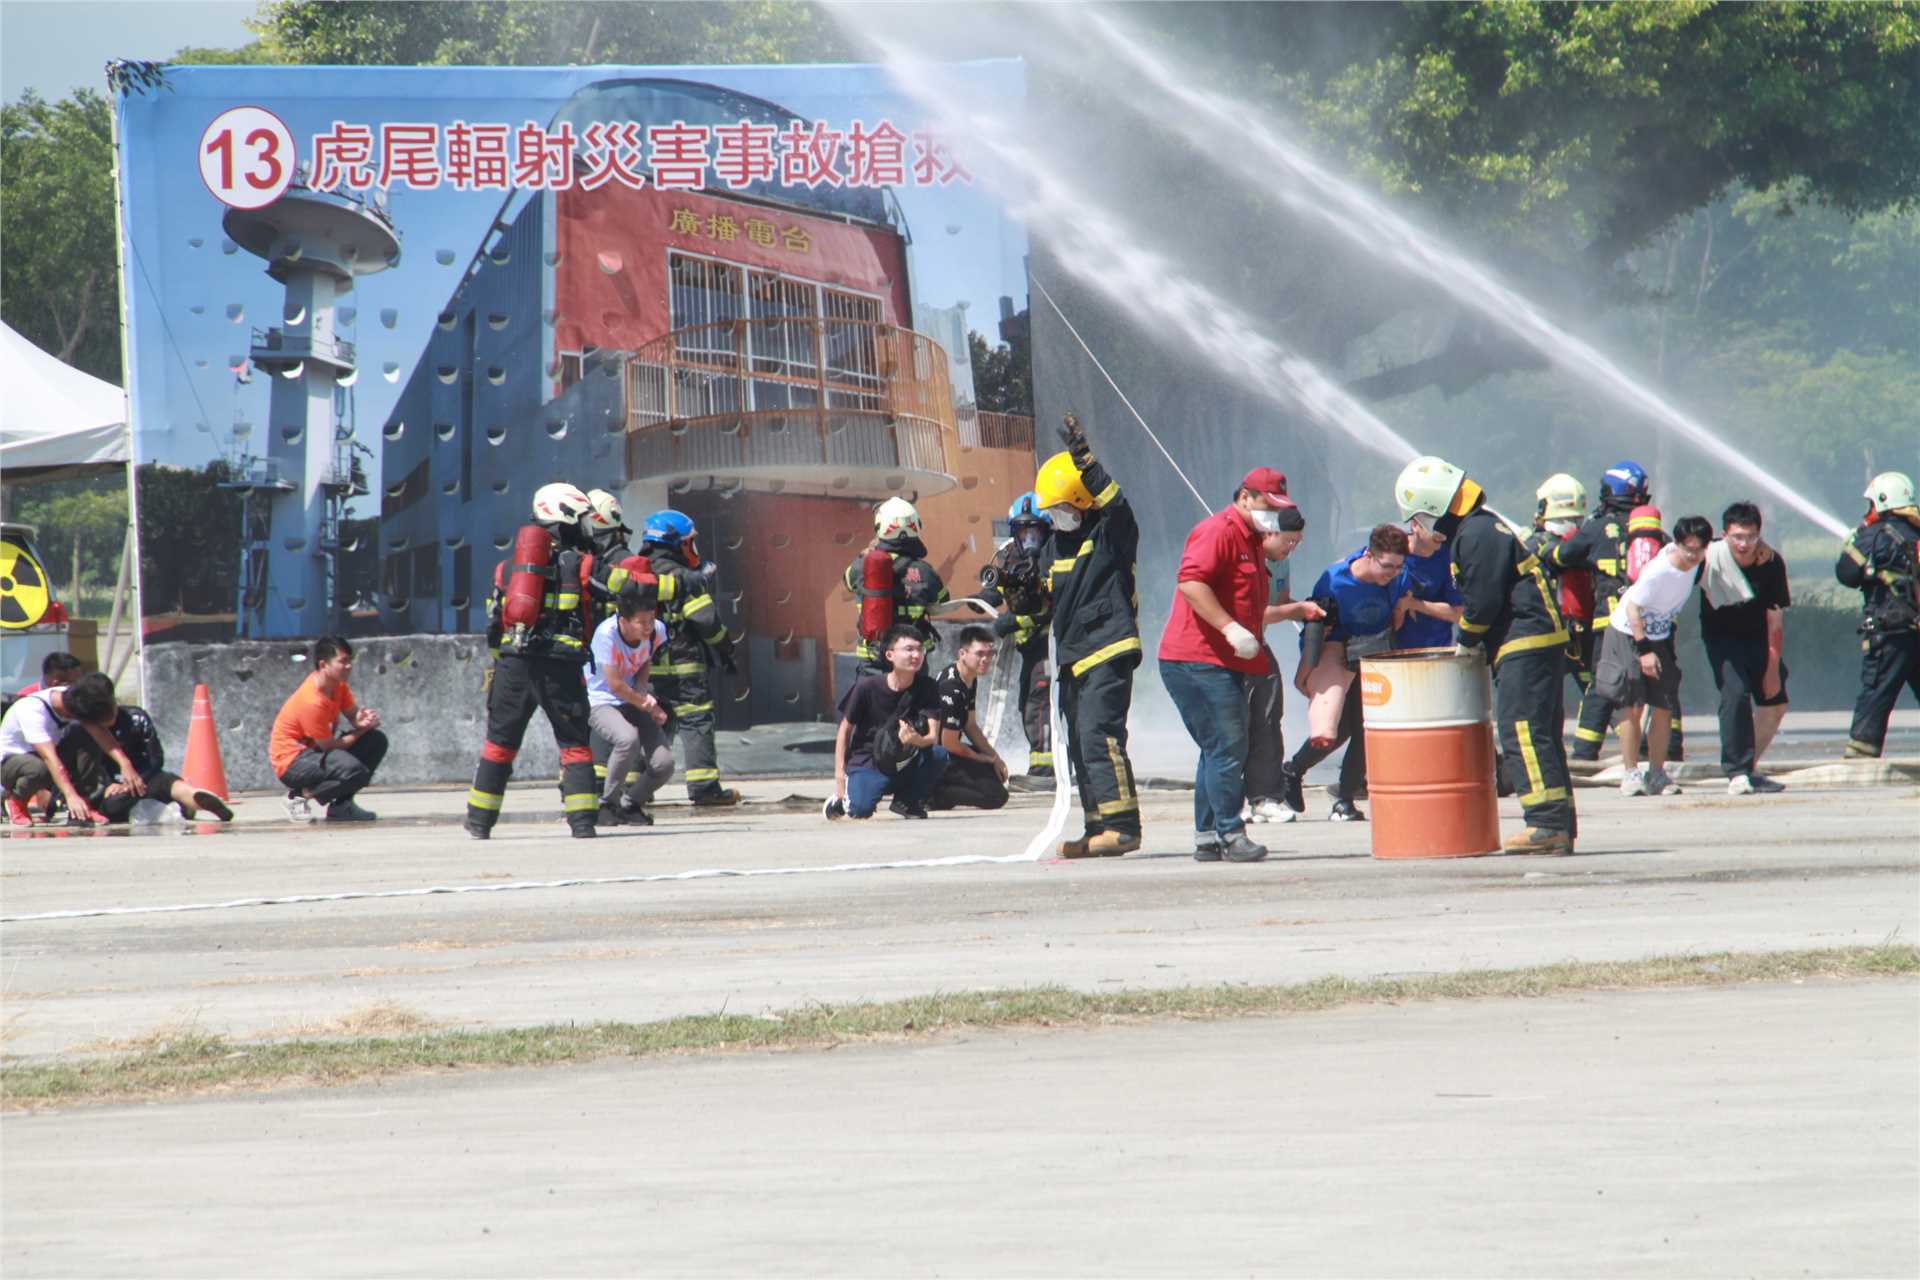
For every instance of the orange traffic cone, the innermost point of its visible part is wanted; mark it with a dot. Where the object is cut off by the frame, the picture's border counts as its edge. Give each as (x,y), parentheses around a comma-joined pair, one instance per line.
(203,768)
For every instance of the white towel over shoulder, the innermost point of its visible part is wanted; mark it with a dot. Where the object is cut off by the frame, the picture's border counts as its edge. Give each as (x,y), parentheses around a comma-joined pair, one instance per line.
(1723,581)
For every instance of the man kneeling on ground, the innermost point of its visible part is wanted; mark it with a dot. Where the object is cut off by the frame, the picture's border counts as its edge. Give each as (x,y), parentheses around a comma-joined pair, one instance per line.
(64,739)
(888,741)
(312,755)
(976,776)
(628,721)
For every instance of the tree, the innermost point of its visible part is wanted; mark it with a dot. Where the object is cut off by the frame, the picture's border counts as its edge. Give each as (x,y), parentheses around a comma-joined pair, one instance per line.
(189,561)
(57,222)
(1002,376)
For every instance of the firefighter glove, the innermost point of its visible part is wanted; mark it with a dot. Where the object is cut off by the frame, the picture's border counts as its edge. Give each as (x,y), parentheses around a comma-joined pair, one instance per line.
(1245,643)
(1005,624)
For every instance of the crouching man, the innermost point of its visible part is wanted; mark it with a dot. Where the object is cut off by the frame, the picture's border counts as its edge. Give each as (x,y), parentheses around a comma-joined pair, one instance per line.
(629,724)
(889,740)
(976,776)
(324,746)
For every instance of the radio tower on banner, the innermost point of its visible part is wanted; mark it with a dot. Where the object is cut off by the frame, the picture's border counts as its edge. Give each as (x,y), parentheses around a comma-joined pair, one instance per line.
(317,244)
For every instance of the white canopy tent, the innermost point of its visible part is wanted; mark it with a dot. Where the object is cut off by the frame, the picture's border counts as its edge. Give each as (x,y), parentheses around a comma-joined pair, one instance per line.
(54,416)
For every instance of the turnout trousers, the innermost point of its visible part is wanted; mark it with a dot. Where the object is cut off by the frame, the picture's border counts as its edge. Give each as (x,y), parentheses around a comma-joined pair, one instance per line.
(1529,706)
(690,722)
(1889,661)
(518,687)
(1036,677)
(1094,706)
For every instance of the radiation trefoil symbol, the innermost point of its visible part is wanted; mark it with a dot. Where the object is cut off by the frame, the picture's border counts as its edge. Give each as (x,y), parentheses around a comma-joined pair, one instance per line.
(24,596)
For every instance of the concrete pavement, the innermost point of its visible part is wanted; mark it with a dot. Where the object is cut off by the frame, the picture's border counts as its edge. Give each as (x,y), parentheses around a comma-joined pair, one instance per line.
(1761,1130)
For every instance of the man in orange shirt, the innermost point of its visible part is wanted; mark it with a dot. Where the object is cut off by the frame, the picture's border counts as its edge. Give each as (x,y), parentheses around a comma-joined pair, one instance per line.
(324,747)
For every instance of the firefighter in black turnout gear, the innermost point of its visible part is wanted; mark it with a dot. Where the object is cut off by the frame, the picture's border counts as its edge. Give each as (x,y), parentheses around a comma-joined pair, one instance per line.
(1600,545)
(540,624)
(1881,560)
(1014,581)
(1096,637)
(894,583)
(1507,613)
(697,642)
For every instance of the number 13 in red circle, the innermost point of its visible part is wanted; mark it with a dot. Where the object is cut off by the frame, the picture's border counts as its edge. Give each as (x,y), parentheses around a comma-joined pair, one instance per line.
(247,157)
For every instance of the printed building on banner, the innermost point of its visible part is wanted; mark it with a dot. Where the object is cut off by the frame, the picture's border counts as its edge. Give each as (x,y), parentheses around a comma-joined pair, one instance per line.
(745,354)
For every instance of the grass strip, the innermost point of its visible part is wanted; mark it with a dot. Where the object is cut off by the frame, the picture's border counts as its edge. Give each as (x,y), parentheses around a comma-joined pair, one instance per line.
(195,1062)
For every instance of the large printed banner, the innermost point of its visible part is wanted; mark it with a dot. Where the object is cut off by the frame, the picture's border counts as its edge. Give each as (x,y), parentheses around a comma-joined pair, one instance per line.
(372,310)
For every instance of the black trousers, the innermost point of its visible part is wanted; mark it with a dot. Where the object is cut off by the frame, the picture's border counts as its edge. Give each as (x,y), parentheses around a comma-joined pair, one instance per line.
(339,774)
(1529,705)
(1739,668)
(1266,741)
(1036,679)
(92,771)
(1353,765)
(518,687)
(1094,706)
(1888,662)
(690,723)
(967,784)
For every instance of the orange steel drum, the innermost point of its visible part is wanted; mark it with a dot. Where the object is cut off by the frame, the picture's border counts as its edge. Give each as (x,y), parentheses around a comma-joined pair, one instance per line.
(1428,718)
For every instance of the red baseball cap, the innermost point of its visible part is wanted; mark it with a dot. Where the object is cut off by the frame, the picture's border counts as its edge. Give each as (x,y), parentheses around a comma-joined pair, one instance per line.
(1269,484)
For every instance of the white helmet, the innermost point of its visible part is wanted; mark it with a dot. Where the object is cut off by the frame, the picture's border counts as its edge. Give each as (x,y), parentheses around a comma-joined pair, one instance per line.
(560,504)
(604,514)
(1562,498)
(1889,491)
(1426,487)
(896,518)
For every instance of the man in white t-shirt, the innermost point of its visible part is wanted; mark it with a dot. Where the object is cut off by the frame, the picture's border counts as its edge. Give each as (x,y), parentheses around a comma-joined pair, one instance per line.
(625,717)
(31,759)
(1638,666)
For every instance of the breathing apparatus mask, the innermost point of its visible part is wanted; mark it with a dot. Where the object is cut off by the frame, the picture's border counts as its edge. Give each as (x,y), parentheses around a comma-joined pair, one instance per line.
(1028,537)
(1065,518)
(1560,528)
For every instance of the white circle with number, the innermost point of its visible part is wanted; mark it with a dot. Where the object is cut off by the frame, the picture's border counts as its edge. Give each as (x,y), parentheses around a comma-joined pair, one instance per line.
(247,157)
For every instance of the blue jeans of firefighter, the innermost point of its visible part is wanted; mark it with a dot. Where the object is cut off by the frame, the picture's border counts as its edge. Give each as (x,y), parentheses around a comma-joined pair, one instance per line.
(912,784)
(1213,705)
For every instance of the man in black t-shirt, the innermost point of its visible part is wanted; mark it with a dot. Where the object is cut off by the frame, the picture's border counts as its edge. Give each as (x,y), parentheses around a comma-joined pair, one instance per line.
(1744,645)
(889,738)
(976,776)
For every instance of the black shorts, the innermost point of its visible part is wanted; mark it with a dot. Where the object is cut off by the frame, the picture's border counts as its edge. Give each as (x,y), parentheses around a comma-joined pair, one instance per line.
(1619,680)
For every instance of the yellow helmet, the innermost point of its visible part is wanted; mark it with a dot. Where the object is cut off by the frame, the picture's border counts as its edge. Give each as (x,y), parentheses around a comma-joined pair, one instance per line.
(1059,484)
(1562,498)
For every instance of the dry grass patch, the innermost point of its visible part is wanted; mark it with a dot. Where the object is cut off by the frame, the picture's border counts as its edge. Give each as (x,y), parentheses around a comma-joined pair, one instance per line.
(193,1063)
(383,1018)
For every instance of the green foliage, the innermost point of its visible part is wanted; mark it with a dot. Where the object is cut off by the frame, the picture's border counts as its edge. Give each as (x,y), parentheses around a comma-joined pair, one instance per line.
(92,512)
(56,220)
(189,530)
(1003,375)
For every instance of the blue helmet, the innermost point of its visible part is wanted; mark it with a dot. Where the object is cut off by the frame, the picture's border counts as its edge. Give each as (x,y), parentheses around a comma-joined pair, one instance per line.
(669,528)
(1026,509)
(1625,480)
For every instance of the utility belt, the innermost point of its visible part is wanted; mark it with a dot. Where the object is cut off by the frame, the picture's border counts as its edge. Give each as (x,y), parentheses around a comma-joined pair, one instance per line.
(1891,615)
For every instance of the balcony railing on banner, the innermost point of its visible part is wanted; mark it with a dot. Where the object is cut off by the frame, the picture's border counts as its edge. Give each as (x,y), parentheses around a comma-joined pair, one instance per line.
(776,396)
(1005,430)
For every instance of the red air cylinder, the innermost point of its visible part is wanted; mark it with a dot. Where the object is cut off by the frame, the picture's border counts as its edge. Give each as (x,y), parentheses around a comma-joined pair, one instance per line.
(1576,590)
(526,583)
(876,594)
(1644,538)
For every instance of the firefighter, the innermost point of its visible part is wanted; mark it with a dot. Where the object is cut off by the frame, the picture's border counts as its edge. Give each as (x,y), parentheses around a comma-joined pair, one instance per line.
(1881,560)
(1600,545)
(1014,582)
(606,525)
(1508,614)
(1094,606)
(539,623)
(697,641)
(1560,506)
(894,583)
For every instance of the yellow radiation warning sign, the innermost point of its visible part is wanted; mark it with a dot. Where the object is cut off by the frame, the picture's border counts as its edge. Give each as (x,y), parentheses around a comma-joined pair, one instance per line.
(24,594)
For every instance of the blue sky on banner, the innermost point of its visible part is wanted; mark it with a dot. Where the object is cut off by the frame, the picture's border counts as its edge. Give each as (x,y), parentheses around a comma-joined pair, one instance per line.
(194,306)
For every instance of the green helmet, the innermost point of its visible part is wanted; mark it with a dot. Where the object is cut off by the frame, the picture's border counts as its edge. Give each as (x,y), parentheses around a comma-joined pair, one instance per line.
(1889,491)
(1561,498)
(1426,487)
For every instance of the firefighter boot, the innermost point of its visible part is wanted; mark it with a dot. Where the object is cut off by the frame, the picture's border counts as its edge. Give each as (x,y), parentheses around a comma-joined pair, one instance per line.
(1537,840)
(1078,848)
(1111,844)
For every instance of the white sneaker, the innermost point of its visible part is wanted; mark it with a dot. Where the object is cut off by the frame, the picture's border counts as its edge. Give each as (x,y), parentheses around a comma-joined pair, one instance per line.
(1635,782)
(1659,784)
(300,809)
(1272,811)
(1739,785)
(1250,814)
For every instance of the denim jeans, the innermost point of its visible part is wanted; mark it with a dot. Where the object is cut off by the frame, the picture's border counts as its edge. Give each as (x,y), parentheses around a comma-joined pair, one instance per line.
(912,784)
(1213,705)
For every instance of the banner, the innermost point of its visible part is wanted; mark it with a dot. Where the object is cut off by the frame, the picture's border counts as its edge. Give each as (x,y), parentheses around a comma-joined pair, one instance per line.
(371,310)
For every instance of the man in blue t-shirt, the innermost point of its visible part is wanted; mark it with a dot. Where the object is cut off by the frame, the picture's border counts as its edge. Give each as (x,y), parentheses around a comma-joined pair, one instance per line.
(1433,601)
(1364,591)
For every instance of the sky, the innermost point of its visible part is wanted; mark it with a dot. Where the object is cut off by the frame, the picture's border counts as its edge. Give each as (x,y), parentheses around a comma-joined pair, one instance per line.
(56,46)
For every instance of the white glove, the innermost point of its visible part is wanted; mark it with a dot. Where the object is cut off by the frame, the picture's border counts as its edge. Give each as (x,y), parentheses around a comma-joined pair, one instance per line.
(1245,643)
(1462,651)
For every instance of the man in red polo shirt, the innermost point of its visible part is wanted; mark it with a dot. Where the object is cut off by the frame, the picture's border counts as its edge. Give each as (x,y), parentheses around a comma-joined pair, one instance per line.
(1211,646)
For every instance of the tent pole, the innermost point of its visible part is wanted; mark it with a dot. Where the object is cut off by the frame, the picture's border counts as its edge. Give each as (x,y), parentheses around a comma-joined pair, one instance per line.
(119,595)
